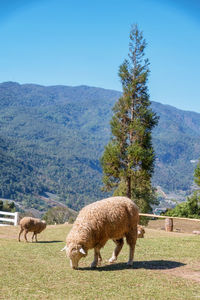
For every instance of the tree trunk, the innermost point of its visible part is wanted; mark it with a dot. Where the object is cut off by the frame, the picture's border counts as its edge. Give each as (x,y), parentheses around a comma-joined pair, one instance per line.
(129,187)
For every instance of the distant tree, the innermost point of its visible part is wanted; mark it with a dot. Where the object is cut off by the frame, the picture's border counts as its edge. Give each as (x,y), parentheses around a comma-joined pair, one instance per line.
(197,174)
(191,207)
(59,215)
(1,205)
(71,220)
(128,159)
(9,206)
(187,209)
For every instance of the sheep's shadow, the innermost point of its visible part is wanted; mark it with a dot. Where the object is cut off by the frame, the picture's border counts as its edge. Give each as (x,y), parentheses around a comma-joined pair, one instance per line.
(48,242)
(148,265)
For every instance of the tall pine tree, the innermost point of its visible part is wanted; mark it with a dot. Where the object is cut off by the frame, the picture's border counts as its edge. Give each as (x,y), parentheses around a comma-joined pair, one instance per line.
(128,159)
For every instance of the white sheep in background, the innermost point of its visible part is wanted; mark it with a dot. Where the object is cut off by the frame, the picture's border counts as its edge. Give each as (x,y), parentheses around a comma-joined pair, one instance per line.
(111,218)
(34,225)
(140,231)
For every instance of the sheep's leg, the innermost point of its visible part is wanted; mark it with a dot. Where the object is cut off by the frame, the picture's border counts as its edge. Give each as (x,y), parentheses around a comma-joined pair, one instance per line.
(33,236)
(99,259)
(117,249)
(36,237)
(131,238)
(25,235)
(97,256)
(20,234)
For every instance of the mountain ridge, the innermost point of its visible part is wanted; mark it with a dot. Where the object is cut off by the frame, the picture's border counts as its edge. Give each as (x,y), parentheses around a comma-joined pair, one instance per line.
(34,85)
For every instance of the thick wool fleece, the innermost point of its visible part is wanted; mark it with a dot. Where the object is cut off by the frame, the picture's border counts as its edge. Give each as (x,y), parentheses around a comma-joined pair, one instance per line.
(111,218)
(29,224)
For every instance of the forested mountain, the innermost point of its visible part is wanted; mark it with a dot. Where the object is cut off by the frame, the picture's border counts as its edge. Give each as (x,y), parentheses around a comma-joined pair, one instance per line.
(51,139)
(177,146)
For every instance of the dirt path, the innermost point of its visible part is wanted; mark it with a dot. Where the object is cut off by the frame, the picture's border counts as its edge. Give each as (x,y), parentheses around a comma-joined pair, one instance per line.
(191,272)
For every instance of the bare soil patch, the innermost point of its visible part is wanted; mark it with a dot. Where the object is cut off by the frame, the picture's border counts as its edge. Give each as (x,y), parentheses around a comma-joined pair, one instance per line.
(182,226)
(191,272)
(9,232)
(12,232)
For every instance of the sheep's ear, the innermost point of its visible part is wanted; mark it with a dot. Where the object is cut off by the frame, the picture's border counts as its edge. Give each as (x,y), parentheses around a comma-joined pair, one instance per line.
(65,248)
(82,251)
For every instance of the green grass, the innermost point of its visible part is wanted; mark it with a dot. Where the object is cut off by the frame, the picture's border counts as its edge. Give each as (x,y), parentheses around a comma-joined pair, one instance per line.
(41,271)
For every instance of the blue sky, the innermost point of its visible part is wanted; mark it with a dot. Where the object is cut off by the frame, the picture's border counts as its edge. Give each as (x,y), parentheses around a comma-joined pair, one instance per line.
(76,42)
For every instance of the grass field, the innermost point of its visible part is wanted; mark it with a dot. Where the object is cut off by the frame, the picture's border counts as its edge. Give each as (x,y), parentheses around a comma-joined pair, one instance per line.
(167,266)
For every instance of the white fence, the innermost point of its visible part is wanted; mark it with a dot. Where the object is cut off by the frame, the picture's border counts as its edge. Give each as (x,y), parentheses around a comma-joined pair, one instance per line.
(13,220)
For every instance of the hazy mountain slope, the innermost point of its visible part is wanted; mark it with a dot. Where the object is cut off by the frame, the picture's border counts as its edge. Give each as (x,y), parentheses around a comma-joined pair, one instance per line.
(56,135)
(177,143)
(60,135)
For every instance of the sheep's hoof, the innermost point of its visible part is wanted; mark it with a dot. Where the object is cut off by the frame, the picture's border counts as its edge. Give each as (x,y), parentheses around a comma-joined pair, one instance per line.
(93,265)
(112,260)
(130,263)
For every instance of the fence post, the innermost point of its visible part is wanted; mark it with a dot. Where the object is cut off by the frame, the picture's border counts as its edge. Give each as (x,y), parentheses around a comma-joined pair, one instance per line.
(169,224)
(16,219)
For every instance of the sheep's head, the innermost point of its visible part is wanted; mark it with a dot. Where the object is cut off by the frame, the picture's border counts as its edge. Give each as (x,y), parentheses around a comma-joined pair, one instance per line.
(75,253)
(140,231)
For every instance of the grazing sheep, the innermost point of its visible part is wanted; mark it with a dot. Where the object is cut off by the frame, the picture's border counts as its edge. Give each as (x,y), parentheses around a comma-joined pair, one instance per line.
(140,231)
(111,218)
(196,231)
(31,225)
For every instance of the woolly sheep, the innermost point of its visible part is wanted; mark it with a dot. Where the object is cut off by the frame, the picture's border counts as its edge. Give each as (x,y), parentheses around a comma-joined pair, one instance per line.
(34,225)
(140,231)
(111,218)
